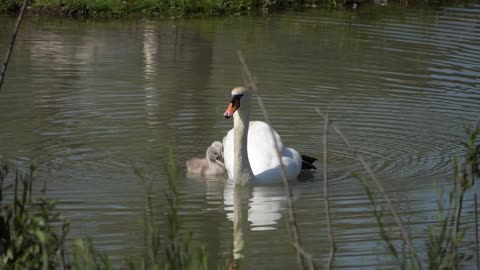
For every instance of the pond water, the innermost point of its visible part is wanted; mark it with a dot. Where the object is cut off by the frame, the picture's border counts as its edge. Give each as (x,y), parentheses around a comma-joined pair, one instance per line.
(92,101)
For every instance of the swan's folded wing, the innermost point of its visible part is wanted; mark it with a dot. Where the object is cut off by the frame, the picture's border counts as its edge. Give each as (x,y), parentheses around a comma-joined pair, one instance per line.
(261,153)
(293,162)
(261,147)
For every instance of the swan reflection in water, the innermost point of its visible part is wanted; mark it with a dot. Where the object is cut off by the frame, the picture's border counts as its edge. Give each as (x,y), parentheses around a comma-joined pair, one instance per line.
(265,205)
(249,208)
(254,208)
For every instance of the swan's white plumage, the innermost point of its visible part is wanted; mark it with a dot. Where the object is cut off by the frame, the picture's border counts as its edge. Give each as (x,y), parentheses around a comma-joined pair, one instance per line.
(262,156)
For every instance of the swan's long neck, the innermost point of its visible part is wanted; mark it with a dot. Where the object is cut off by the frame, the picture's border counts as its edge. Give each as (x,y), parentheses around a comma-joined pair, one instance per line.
(242,172)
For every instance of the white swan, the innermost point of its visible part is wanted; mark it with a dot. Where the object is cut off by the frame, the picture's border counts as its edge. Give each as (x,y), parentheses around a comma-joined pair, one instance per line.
(211,165)
(249,149)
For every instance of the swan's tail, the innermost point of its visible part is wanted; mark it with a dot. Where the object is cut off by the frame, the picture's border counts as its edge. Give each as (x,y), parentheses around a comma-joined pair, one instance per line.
(307,162)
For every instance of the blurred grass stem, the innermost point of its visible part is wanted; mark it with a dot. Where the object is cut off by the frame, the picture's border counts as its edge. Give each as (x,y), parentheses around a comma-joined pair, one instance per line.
(331,238)
(292,223)
(403,232)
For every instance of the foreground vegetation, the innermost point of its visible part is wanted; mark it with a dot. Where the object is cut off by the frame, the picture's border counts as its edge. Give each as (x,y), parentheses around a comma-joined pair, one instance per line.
(33,235)
(443,248)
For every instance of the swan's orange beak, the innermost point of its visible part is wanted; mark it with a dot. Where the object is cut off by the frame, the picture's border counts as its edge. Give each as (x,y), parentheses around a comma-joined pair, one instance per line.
(232,107)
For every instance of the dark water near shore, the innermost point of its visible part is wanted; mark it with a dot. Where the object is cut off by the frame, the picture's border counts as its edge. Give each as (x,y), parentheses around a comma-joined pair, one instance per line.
(92,100)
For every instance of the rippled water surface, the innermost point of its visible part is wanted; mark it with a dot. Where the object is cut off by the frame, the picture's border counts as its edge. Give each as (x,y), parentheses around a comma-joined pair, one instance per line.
(91,101)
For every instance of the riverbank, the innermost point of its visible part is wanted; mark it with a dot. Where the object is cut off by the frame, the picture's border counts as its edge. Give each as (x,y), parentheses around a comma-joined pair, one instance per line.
(170,8)
(121,8)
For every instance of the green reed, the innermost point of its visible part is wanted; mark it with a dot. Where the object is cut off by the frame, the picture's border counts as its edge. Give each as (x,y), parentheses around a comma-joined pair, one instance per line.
(86,257)
(29,240)
(172,249)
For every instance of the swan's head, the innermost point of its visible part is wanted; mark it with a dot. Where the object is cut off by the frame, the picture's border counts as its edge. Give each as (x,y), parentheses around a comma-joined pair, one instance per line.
(239,93)
(213,153)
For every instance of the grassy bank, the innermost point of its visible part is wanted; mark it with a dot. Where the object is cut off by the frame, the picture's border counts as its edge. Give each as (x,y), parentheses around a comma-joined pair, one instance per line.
(169,8)
(120,8)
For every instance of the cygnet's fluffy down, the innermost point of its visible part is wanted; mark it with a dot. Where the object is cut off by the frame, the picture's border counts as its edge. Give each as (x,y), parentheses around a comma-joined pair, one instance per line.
(211,165)
(219,147)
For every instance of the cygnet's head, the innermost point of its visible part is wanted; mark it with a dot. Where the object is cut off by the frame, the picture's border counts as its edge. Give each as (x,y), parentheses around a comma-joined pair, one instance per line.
(219,146)
(213,153)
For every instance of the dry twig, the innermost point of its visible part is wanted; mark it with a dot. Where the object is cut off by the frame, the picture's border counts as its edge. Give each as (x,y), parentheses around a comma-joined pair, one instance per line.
(292,223)
(475,217)
(403,232)
(475,223)
(459,207)
(12,42)
(331,239)
(305,254)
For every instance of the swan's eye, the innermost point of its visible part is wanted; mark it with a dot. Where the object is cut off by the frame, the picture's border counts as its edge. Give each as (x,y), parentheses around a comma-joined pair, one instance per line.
(237,97)
(234,96)
(236,100)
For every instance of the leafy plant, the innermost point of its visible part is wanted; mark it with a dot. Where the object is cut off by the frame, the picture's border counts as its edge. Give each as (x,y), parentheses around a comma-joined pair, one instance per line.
(28,240)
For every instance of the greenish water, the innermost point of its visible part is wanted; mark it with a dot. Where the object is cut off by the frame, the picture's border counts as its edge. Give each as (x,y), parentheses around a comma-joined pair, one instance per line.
(92,100)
